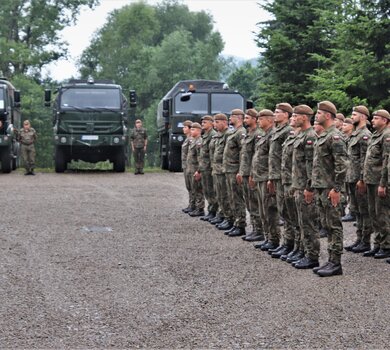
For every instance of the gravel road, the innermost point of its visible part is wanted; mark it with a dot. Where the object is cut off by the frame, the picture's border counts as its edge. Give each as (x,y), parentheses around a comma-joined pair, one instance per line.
(105,260)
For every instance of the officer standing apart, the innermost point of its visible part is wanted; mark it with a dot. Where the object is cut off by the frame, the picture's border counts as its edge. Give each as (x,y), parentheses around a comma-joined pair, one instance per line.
(139,142)
(184,152)
(328,177)
(27,138)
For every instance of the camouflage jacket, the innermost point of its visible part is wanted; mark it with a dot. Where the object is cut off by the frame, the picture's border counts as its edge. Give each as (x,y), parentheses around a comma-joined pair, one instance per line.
(275,151)
(385,176)
(212,149)
(247,151)
(27,137)
(231,153)
(373,163)
(194,154)
(286,164)
(138,137)
(302,159)
(357,148)
(329,160)
(205,156)
(184,152)
(259,169)
(219,146)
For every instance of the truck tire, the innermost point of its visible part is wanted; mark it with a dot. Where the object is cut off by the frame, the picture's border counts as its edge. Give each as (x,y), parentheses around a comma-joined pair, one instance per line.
(60,161)
(174,157)
(6,161)
(120,162)
(14,163)
(163,147)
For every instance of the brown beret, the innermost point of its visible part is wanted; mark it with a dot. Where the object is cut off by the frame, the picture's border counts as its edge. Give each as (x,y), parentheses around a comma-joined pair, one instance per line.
(303,109)
(138,121)
(220,116)
(285,107)
(348,121)
(382,113)
(340,116)
(252,112)
(362,110)
(327,106)
(196,126)
(237,111)
(187,123)
(207,117)
(266,113)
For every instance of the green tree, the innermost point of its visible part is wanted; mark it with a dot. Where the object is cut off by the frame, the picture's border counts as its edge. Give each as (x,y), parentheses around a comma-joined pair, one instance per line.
(244,79)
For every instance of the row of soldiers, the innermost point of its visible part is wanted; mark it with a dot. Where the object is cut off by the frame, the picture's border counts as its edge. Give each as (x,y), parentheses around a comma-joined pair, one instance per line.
(276,164)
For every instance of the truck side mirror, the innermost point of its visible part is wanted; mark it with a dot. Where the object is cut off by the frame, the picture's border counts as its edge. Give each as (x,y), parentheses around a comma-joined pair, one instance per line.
(17,98)
(249,104)
(133,98)
(47,98)
(185,96)
(165,111)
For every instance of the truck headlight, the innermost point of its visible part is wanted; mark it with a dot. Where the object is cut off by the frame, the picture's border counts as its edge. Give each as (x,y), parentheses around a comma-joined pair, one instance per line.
(180,138)
(116,139)
(63,139)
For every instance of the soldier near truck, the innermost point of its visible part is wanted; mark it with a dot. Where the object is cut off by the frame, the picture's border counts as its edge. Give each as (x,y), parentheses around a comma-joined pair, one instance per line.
(27,138)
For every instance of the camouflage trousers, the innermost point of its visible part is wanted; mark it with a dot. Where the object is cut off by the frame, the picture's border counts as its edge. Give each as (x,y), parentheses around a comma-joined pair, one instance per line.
(379,211)
(236,197)
(187,180)
(197,191)
(332,218)
(283,200)
(268,213)
(139,156)
(222,196)
(28,155)
(307,215)
(252,204)
(209,192)
(359,206)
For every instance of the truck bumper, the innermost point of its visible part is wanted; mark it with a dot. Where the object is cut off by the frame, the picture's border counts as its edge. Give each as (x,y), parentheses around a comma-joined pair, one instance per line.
(90,141)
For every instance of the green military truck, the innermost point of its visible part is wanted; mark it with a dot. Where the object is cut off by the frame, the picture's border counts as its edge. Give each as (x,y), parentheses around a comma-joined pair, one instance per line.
(90,123)
(191,99)
(10,124)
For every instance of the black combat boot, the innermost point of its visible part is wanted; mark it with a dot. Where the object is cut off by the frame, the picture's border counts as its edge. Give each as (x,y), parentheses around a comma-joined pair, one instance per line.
(306,263)
(197,212)
(238,231)
(361,248)
(217,220)
(296,257)
(351,246)
(284,251)
(226,225)
(269,245)
(227,232)
(316,269)
(187,210)
(371,252)
(382,253)
(331,269)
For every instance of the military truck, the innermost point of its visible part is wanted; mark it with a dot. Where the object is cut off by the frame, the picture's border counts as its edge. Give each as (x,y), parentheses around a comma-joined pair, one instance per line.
(90,123)
(191,99)
(9,126)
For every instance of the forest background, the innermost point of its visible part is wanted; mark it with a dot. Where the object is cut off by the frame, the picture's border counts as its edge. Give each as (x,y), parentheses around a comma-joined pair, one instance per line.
(310,50)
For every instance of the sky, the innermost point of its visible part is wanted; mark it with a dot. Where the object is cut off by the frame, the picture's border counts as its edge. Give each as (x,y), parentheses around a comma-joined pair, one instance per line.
(235,19)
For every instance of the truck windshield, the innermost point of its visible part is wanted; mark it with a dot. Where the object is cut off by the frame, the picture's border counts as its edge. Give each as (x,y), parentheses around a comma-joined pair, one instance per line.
(197,104)
(2,103)
(90,98)
(225,102)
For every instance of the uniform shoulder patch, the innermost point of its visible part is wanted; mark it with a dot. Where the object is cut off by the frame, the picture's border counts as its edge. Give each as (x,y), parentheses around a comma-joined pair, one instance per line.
(365,138)
(336,137)
(309,142)
(388,139)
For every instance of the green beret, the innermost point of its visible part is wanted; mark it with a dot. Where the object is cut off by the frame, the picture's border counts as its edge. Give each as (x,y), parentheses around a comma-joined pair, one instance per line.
(220,116)
(303,109)
(382,113)
(362,110)
(252,112)
(208,117)
(327,106)
(266,113)
(285,107)
(187,123)
(237,112)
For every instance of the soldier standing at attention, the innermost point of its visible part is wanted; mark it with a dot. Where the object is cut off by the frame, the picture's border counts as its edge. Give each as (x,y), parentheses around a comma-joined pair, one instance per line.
(328,177)
(139,142)
(338,121)
(27,138)
(282,113)
(356,150)
(250,193)
(373,165)
(193,169)
(231,166)
(184,152)
(205,168)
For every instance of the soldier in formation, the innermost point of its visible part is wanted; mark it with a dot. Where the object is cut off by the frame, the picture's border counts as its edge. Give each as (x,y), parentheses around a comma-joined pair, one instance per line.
(27,137)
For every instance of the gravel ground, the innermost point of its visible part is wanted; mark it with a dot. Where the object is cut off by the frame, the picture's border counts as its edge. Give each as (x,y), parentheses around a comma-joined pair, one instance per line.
(104,260)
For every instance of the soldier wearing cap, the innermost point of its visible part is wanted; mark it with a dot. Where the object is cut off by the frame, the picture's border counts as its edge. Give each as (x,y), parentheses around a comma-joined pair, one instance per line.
(259,176)
(328,177)
(139,142)
(338,121)
(250,195)
(378,201)
(205,168)
(221,125)
(27,137)
(301,183)
(184,152)
(193,169)
(347,129)
(231,166)
(282,113)
(357,148)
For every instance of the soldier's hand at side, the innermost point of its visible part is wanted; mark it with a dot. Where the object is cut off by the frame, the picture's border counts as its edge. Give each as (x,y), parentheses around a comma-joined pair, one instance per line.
(252,184)
(239,179)
(334,197)
(270,187)
(382,191)
(361,187)
(197,176)
(309,196)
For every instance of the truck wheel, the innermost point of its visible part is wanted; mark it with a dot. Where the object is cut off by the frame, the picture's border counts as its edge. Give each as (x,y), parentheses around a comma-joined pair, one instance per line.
(6,161)
(164,158)
(60,161)
(14,163)
(120,162)
(174,158)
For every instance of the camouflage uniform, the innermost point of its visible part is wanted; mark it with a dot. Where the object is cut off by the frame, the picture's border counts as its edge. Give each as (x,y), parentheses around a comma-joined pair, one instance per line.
(301,179)
(274,174)
(192,168)
(138,137)
(221,186)
(267,202)
(187,178)
(329,169)
(357,148)
(250,194)
(231,165)
(378,207)
(205,170)
(27,139)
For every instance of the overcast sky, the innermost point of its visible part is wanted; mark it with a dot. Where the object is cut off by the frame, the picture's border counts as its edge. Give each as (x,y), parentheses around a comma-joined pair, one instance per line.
(235,19)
